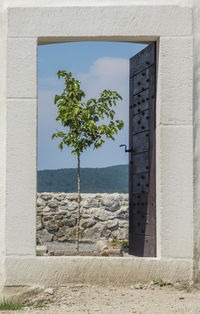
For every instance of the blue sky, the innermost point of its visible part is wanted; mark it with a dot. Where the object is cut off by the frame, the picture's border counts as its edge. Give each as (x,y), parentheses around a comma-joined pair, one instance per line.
(99,65)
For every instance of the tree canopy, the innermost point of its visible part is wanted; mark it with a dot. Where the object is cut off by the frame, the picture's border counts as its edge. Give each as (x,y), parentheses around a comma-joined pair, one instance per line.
(84,118)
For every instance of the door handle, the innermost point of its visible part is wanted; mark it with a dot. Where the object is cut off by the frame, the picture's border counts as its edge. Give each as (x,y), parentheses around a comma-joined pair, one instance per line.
(130,150)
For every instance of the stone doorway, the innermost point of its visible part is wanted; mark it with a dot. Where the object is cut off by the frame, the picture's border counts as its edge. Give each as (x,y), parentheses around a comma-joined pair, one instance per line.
(26,26)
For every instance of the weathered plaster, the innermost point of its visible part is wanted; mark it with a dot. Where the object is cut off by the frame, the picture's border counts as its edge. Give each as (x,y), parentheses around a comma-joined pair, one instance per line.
(176,192)
(48,271)
(21,177)
(118,21)
(3,60)
(175,75)
(196,118)
(32,3)
(22,68)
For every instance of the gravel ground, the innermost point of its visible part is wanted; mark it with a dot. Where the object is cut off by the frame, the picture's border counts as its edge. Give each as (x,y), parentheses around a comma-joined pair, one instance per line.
(65,246)
(136,299)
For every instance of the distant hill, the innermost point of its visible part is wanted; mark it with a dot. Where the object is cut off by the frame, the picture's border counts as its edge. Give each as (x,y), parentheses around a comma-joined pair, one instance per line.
(93,180)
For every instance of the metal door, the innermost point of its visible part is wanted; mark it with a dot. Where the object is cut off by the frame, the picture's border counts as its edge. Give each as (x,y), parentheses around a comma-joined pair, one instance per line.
(142,179)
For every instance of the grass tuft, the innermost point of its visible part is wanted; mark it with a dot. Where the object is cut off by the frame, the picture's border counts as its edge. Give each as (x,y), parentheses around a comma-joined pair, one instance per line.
(161,283)
(10,306)
(39,253)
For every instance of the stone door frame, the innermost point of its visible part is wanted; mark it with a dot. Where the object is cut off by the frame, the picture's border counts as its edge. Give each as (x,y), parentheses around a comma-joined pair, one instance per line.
(27,27)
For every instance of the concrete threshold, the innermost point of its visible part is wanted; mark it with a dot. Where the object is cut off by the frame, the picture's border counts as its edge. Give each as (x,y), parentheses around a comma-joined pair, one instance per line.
(57,270)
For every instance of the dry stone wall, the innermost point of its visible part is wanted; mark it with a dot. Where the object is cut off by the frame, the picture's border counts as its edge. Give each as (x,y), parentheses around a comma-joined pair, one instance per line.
(102,216)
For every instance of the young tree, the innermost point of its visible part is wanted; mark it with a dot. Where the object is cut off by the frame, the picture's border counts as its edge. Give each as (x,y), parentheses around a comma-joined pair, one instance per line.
(82,120)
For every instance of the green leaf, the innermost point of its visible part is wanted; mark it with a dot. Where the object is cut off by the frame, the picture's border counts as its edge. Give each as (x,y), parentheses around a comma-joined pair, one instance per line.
(56,99)
(82,121)
(60,146)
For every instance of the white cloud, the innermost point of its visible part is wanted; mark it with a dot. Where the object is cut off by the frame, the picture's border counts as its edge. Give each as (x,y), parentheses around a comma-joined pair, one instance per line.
(108,73)
(109,68)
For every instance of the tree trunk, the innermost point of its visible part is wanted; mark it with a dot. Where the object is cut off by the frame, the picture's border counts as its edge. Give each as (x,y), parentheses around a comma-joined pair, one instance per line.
(79,207)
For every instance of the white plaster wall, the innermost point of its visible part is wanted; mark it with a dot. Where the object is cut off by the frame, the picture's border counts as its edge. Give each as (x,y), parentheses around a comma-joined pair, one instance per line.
(105,271)
(171,23)
(3,58)
(175,192)
(175,148)
(31,3)
(22,68)
(21,177)
(117,21)
(196,117)
(175,81)
(175,77)
(21,146)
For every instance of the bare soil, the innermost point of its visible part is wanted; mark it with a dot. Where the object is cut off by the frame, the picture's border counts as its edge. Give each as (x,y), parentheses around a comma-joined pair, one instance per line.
(135,299)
